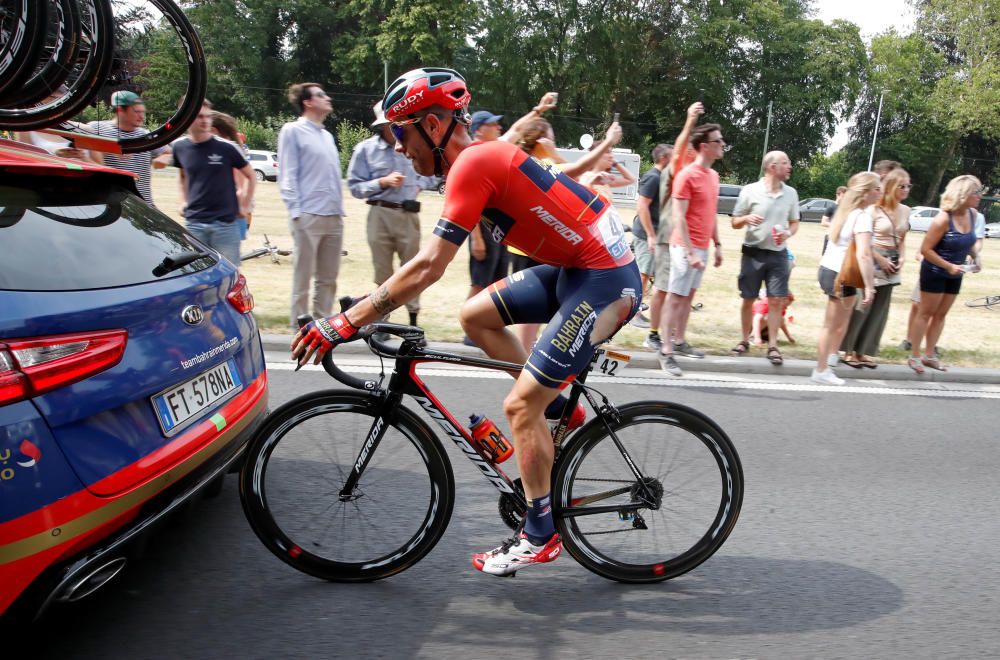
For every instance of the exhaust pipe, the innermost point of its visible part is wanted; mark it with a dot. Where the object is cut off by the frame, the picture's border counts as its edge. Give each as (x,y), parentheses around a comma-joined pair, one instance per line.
(91,581)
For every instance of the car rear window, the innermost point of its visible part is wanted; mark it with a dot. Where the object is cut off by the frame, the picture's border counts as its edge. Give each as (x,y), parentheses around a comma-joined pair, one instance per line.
(62,233)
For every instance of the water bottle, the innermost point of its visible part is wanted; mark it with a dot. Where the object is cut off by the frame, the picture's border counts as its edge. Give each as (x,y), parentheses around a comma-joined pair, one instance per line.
(490,439)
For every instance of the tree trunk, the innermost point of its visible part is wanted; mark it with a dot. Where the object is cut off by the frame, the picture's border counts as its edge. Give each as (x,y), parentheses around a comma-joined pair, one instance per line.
(943,164)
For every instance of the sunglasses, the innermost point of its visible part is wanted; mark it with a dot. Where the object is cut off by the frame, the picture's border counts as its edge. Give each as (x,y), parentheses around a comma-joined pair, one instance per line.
(397,126)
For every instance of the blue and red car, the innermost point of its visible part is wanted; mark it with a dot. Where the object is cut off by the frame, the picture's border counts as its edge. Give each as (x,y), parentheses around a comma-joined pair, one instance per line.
(131,373)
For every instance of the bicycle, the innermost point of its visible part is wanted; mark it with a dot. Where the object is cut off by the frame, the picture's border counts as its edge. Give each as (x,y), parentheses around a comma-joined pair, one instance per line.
(268,248)
(989,302)
(353,486)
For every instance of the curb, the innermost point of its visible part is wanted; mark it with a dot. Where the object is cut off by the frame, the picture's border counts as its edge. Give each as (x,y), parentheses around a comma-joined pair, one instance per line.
(759,366)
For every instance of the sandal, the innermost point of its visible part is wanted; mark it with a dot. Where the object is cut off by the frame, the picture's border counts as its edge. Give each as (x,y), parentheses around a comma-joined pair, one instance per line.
(740,348)
(934,363)
(774,356)
(854,364)
(868,364)
(914,363)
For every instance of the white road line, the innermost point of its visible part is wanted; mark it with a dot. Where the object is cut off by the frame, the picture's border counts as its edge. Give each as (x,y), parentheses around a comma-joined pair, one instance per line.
(714,381)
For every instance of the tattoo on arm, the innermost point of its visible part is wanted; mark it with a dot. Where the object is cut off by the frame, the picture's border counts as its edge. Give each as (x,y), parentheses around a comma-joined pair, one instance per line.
(382,302)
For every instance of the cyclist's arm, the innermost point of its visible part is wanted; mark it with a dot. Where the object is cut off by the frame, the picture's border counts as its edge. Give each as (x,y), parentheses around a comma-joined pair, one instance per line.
(423,270)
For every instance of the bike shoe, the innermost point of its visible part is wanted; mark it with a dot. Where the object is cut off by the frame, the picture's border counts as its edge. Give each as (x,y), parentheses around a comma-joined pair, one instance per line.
(516,553)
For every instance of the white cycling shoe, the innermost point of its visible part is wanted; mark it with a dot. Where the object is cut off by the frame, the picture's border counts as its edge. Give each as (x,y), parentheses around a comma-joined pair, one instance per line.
(516,553)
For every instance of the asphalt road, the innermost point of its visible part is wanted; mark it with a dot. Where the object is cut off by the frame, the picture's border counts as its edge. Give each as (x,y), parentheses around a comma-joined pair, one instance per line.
(869,529)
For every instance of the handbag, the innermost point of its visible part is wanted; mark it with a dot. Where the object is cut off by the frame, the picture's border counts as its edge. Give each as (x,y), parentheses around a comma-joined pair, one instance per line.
(850,270)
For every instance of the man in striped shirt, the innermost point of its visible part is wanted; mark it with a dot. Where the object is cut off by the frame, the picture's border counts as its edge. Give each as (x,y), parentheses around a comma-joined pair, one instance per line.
(130,115)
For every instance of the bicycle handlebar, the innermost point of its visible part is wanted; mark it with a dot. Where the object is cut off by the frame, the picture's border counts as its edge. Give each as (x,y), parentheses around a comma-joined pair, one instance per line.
(366,334)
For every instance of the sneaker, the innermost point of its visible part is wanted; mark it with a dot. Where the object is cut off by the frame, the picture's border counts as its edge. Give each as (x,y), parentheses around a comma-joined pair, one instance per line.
(825,377)
(832,360)
(639,321)
(669,364)
(905,345)
(516,553)
(653,341)
(684,349)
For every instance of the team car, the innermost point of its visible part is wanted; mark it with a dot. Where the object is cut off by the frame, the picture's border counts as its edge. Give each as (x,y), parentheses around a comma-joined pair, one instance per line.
(131,374)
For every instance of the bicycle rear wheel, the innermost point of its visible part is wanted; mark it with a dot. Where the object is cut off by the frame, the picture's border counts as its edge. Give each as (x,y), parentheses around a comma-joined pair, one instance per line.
(636,532)
(295,470)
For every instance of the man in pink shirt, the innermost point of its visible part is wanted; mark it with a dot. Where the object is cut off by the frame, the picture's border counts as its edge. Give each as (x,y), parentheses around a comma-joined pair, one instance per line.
(695,202)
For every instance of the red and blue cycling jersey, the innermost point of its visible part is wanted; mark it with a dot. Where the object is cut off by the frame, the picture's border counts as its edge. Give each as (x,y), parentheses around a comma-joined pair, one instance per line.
(531,206)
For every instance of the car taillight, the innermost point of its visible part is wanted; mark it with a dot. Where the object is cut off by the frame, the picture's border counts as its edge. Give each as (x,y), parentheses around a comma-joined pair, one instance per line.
(239,296)
(30,367)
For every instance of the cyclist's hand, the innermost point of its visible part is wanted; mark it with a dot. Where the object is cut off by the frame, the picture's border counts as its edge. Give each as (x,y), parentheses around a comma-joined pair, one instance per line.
(318,337)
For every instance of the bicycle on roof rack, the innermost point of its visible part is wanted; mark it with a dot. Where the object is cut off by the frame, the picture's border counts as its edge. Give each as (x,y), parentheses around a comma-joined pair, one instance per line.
(353,485)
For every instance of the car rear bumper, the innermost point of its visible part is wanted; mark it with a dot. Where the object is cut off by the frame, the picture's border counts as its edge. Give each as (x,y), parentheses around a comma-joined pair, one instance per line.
(46,568)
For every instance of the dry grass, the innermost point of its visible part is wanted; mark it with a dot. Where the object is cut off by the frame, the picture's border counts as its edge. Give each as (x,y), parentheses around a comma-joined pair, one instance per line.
(969,337)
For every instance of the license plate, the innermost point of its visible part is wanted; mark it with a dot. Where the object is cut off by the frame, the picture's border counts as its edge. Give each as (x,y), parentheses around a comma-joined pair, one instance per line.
(184,402)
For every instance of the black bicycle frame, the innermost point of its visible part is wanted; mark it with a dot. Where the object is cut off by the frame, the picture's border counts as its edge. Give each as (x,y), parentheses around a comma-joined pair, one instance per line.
(404,380)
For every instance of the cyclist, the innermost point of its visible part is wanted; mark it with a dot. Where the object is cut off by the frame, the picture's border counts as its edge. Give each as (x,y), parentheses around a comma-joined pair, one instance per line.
(587,287)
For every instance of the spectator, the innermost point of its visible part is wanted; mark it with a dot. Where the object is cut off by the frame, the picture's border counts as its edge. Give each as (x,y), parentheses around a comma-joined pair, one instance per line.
(488,260)
(224,126)
(387,182)
(207,188)
(130,115)
(695,203)
(883,167)
(890,221)
(647,221)
(759,332)
(828,215)
(769,210)
(485,126)
(309,181)
(851,222)
(946,246)
(681,155)
(975,265)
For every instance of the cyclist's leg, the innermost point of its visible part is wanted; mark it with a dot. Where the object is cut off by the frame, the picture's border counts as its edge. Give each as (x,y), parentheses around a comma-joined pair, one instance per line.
(527,296)
(595,304)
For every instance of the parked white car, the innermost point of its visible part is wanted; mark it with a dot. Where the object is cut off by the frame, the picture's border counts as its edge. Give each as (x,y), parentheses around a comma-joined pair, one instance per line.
(264,164)
(921,216)
(993,230)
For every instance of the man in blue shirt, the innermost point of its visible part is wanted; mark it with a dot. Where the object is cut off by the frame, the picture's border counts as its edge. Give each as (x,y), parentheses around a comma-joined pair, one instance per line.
(309,180)
(208,191)
(387,182)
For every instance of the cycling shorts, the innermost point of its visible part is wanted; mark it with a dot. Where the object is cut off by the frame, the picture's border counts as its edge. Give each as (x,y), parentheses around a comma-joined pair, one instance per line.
(572,301)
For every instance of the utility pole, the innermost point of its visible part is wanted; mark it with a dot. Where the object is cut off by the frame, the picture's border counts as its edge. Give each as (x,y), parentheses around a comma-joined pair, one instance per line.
(767,135)
(385,76)
(878,117)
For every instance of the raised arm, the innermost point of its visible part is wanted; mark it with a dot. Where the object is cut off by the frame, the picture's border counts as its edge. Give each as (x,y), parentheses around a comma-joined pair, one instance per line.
(586,163)
(547,102)
(695,110)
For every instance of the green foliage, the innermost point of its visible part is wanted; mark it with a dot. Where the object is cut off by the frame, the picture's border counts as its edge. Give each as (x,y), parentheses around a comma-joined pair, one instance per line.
(262,135)
(821,175)
(349,134)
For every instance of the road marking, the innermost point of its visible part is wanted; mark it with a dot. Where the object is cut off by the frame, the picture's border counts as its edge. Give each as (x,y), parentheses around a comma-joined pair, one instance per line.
(714,381)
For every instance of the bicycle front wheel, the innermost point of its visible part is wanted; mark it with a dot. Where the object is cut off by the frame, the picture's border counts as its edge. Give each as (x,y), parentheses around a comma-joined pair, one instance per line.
(292,488)
(659,527)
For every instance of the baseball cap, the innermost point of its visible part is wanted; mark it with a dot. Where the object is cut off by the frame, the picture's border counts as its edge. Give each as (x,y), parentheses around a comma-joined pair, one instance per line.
(481,117)
(125,98)
(380,119)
